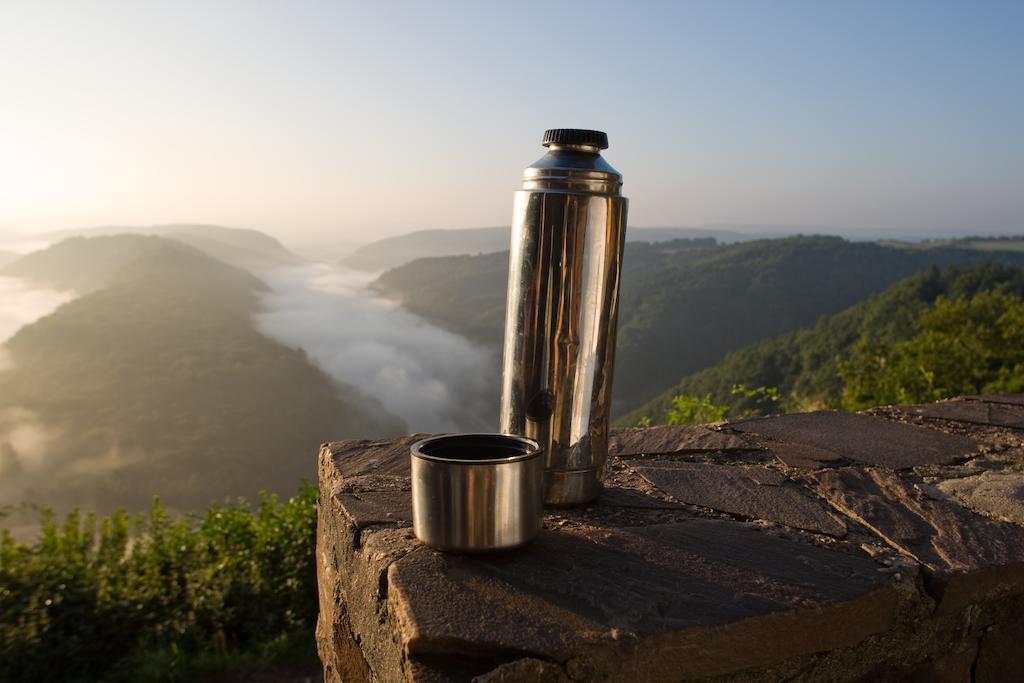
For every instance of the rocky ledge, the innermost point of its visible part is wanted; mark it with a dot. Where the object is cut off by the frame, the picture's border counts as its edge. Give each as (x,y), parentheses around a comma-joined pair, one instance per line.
(886,545)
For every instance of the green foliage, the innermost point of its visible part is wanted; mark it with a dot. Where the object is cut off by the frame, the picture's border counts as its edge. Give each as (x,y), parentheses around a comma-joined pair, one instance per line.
(696,410)
(961,346)
(752,401)
(803,366)
(156,596)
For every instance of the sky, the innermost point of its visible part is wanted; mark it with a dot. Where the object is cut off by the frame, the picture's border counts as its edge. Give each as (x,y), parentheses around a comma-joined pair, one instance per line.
(335,121)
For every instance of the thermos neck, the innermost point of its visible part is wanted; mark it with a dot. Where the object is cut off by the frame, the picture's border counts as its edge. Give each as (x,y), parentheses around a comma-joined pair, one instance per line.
(573,168)
(589,149)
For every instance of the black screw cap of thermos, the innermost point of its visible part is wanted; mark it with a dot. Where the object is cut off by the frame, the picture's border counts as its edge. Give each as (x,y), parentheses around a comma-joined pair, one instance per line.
(576,136)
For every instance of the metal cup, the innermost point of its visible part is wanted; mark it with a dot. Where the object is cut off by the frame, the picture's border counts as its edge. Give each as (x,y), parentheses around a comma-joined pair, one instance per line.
(474,493)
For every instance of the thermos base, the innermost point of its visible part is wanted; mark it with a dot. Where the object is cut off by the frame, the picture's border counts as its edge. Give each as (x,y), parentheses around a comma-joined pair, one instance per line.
(571,487)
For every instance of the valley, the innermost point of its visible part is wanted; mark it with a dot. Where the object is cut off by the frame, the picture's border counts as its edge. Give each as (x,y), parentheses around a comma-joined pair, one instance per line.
(685,304)
(205,362)
(156,382)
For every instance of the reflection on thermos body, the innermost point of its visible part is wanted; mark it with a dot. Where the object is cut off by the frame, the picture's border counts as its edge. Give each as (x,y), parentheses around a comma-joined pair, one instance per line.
(568,231)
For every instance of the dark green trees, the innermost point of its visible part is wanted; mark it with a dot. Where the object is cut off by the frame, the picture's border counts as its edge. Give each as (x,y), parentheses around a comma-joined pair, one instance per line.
(960,346)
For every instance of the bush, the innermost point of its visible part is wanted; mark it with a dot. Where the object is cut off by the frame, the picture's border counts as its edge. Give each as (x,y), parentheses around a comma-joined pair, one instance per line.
(960,346)
(157,596)
(697,410)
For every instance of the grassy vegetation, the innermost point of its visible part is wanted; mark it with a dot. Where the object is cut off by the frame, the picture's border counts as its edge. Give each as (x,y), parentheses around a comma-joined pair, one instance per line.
(159,597)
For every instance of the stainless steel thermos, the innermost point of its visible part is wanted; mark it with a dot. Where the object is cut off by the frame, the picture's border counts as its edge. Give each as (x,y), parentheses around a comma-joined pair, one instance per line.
(568,231)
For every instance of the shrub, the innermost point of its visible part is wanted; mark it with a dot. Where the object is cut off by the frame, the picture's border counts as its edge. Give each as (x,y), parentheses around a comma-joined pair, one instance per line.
(156,596)
(696,410)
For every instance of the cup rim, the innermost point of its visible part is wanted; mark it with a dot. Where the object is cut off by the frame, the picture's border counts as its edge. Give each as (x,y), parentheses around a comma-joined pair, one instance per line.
(532,448)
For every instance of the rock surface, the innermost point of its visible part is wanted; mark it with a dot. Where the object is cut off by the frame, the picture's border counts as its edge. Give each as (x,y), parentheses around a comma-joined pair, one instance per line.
(819,546)
(1002,414)
(750,491)
(864,439)
(999,495)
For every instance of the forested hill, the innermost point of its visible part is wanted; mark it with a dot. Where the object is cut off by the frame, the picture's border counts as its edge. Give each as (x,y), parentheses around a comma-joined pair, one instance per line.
(83,261)
(83,264)
(395,251)
(802,365)
(249,249)
(467,293)
(156,382)
(684,306)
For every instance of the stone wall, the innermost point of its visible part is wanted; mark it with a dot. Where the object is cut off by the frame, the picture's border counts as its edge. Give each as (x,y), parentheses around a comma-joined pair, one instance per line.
(821,546)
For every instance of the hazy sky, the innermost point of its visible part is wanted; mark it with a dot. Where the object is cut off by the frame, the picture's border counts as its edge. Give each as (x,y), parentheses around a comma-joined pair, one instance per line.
(342,121)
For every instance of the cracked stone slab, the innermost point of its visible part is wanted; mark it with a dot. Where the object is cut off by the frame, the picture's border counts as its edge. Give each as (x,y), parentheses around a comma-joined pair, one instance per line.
(803,456)
(377,507)
(751,491)
(374,482)
(638,599)
(1001,657)
(526,669)
(991,493)
(363,457)
(828,438)
(350,562)
(966,554)
(630,498)
(668,439)
(974,412)
(1010,399)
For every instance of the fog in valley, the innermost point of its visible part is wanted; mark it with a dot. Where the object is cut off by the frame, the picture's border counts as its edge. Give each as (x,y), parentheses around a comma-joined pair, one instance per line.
(21,304)
(393,372)
(433,379)
(20,430)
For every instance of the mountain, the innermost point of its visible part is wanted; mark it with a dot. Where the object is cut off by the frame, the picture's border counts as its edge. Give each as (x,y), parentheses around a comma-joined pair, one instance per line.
(722,235)
(395,251)
(683,307)
(156,382)
(802,365)
(7,257)
(87,263)
(466,294)
(83,264)
(248,249)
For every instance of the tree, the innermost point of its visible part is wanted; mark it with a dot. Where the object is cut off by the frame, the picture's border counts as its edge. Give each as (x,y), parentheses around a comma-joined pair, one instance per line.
(960,346)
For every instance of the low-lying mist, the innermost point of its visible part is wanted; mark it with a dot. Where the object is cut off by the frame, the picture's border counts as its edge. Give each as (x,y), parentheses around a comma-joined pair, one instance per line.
(433,379)
(21,304)
(23,438)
